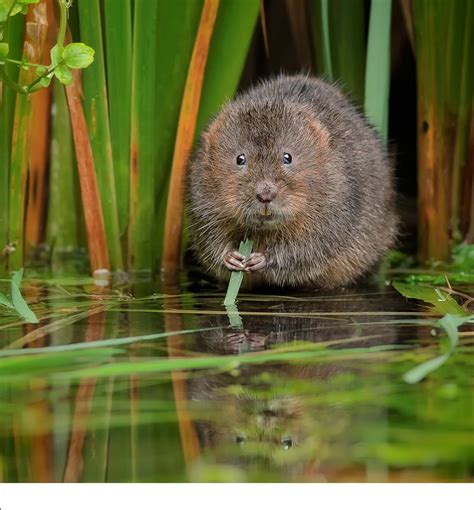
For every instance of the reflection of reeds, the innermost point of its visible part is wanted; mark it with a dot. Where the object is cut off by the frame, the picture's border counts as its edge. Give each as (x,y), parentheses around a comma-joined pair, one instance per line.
(83,403)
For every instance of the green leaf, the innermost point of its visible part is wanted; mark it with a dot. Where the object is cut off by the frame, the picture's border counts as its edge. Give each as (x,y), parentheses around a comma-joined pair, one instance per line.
(18,302)
(63,74)
(236,277)
(4,49)
(21,6)
(78,55)
(440,299)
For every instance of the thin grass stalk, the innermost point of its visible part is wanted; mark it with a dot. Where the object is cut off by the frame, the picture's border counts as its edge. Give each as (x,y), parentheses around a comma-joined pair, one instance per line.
(14,37)
(178,21)
(38,158)
(36,24)
(185,135)
(94,221)
(377,77)
(143,139)
(327,57)
(118,35)
(339,43)
(64,199)
(97,115)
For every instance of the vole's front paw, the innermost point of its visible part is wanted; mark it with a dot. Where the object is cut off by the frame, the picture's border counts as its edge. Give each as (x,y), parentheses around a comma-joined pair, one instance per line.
(233,261)
(255,262)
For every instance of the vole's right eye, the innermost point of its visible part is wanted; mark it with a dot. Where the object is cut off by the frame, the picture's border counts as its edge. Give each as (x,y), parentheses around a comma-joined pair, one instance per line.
(240,160)
(240,439)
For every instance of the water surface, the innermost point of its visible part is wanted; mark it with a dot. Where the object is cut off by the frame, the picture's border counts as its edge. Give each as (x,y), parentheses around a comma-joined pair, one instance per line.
(297,387)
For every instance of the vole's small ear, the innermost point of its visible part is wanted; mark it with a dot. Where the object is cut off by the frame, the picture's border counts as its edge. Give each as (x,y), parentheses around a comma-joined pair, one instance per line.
(320,132)
(211,132)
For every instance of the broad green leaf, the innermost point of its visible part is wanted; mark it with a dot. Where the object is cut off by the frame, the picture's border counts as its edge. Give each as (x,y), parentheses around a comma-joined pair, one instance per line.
(78,55)
(440,299)
(418,373)
(63,74)
(450,323)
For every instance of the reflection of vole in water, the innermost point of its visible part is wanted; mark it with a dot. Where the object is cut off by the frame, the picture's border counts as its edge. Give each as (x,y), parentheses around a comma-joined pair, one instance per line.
(271,416)
(294,166)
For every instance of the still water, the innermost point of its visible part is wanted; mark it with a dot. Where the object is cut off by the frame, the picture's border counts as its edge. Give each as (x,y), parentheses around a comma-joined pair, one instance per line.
(295,387)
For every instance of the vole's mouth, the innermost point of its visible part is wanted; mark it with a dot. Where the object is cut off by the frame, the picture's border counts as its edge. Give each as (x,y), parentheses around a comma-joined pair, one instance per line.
(265,214)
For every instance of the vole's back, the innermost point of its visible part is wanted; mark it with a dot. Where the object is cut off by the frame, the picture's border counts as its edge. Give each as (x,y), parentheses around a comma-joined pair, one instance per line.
(333,210)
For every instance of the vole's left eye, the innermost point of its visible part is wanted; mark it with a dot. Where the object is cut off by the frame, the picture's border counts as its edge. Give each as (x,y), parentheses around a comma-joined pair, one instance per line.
(287,159)
(287,443)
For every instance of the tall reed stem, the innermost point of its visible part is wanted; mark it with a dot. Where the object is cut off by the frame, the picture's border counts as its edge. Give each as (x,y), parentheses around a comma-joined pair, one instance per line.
(185,135)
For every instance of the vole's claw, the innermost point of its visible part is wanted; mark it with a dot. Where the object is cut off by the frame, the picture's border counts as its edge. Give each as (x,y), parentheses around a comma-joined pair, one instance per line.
(232,261)
(255,262)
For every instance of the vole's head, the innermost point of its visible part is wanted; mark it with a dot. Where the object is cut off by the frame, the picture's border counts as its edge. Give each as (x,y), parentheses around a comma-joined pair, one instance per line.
(263,165)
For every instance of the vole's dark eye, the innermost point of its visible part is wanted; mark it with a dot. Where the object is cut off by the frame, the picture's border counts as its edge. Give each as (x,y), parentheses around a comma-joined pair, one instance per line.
(241,160)
(287,443)
(287,159)
(240,439)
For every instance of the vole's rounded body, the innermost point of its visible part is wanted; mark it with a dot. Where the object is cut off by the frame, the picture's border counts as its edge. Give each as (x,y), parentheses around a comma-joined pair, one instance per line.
(294,166)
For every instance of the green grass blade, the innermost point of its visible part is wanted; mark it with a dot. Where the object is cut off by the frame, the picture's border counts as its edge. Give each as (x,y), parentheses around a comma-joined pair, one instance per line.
(178,21)
(118,34)
(236,277)
(141,231)
(64,205)
(7,109)
(96,111)
(377,77)
(327,57)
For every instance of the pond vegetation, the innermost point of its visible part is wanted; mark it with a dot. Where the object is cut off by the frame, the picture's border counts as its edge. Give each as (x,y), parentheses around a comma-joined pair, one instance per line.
(123,376)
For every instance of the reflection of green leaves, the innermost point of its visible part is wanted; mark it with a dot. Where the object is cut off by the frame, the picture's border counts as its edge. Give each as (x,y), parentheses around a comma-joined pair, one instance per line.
(463,258)
(78,55)
(16,301)
(440,299)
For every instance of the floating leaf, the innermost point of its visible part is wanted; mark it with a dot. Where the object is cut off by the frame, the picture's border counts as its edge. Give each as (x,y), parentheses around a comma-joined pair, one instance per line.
(440,299)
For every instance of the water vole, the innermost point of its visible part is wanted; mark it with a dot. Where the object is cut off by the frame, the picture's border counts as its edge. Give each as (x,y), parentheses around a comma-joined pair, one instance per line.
(294,166)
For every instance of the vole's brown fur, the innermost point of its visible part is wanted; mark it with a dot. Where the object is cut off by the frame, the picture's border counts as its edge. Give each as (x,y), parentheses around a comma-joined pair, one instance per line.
(325,219)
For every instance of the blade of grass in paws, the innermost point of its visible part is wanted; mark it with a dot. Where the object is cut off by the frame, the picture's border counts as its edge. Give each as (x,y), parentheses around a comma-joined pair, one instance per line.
(236,277)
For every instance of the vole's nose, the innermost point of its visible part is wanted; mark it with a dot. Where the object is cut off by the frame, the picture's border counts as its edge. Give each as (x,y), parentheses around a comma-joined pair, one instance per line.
(266,193)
